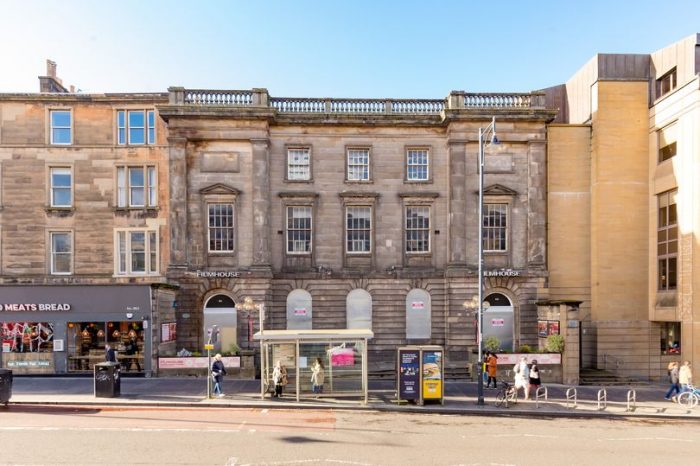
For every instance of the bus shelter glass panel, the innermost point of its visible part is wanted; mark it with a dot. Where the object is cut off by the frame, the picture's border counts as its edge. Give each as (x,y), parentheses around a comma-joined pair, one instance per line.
(342,366)
(285,354)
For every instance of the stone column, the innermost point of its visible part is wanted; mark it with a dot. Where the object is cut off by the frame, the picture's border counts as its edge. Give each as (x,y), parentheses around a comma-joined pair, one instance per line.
(177,171)
(261,203)
(537,200)
(458,205)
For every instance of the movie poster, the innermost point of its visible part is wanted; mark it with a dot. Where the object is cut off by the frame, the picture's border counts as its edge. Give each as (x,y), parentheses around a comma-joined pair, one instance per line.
(409,375)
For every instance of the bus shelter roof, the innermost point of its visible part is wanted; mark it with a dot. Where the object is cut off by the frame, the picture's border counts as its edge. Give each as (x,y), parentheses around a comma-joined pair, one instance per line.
(324,334)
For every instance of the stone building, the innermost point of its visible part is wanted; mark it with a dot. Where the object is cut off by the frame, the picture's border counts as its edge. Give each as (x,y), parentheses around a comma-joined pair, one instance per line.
(83,228)
(624,207)
(345,213)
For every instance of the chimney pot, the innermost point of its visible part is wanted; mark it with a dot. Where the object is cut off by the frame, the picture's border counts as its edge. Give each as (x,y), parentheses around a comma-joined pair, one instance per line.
(51,68)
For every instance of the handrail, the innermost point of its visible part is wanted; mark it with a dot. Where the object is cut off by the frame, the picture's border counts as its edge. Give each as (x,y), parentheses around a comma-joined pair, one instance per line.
(602,399)
(541,392)
(571,394)
(631,400)
(617,361)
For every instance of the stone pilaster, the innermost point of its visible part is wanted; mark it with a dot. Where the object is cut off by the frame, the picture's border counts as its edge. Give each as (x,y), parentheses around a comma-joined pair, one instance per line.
(177,167)
(458,205)
(261,203)
(537,199)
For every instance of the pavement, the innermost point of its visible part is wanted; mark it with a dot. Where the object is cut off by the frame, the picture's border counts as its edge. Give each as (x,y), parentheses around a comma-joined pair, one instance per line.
(460,398)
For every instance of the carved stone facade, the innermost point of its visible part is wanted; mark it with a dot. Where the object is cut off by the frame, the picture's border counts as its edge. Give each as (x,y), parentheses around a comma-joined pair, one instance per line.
(270,158)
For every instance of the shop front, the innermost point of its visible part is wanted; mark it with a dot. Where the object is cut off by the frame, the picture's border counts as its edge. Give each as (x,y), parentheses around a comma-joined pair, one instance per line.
(65,329)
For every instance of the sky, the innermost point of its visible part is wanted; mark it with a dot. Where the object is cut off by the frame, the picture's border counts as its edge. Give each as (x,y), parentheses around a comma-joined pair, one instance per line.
(332,48)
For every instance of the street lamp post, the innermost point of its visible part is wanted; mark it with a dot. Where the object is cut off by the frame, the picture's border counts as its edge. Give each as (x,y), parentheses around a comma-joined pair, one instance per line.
(488,132)
(248,306)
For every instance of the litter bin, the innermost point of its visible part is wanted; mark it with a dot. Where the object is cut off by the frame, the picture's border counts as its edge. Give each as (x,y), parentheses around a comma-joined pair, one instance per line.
(107,380)
(5,386)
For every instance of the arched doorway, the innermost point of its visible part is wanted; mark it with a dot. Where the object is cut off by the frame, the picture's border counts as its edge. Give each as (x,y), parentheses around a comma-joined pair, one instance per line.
(220,310)
(499,320)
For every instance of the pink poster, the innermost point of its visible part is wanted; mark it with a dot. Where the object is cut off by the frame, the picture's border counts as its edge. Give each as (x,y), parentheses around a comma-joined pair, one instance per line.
(343,357)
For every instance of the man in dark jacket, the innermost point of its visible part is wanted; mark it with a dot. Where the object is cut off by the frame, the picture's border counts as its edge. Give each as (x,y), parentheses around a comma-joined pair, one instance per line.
(218,371)
(110,354)
(673,378)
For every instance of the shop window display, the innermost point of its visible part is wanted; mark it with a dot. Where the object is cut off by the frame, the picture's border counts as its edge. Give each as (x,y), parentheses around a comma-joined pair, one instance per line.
(27,337)
(87,341)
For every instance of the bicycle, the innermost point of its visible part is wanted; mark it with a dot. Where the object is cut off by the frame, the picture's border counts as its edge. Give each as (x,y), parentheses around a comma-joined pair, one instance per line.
(690,397)
(507,394)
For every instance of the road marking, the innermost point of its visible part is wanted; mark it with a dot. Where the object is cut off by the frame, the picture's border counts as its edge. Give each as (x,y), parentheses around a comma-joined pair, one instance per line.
(114,429)
(264,411)
(632,439)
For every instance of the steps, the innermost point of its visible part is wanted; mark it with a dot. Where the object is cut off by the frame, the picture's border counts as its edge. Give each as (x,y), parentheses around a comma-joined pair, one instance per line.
(605,378)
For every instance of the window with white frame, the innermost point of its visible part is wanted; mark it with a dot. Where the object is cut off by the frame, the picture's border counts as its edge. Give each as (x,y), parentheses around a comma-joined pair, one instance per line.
(137,186)
(417,165)
(417,229)
(61,179)
(358,221)
(299,229)
(495,218)
(136,127)
(137,252)
(667,241)
(298,164)
(61,132)
(220,227)
(61,252)
(358,164)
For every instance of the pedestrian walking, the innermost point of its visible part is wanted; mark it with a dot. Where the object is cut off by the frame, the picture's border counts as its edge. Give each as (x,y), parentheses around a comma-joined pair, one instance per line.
(484,367)
(685,376)
(131,351)
(522,377)
(492,367)
(317,376)
(218,371)
(534,377)
(279,379)
(673,378)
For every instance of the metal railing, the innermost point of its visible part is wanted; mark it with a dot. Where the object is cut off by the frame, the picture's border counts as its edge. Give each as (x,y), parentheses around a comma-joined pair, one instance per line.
(631,400)
(602,399)
(571,394)
(541,392)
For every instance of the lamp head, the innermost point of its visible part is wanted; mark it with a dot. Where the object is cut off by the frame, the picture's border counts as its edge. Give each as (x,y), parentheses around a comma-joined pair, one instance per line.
(494,140)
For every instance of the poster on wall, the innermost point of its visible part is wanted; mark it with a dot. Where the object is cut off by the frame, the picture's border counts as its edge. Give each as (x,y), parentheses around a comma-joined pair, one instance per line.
(542,328)
(167,332)
(409,376)
(553,327)
(432,375)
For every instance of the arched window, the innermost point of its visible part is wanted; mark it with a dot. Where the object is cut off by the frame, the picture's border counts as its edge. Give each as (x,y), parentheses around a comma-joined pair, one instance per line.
(418,314)
(299,312)
(499,320)
(220,310)
(358,306)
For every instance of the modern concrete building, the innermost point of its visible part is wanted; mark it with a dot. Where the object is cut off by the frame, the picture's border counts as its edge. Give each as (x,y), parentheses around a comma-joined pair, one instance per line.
(624,207)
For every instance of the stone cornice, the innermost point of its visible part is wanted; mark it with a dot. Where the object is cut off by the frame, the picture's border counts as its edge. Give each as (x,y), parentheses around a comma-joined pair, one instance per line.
(151,98)
(297,194)
(419,194)
(219,188)
(351,194)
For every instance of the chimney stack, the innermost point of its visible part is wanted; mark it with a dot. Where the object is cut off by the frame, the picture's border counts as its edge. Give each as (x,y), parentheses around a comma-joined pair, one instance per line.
(51,83)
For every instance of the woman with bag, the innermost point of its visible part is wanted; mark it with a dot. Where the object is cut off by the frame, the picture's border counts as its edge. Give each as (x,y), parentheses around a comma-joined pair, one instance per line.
(279,379)
(317,376)
(535,380)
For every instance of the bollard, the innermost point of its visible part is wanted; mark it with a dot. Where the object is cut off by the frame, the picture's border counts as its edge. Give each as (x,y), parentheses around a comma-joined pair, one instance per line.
(571,394)
(602,399)
(631,400)
(540,393)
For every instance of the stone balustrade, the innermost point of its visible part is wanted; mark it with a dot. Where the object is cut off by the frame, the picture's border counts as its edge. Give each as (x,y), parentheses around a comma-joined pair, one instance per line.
(295,105)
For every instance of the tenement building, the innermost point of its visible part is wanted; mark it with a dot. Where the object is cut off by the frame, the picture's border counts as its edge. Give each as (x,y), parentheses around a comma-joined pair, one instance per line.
(83,229)
(624,207)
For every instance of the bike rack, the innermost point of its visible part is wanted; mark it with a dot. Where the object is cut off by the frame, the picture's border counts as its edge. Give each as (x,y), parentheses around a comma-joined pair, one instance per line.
(631,400)
(602,398)
(571,394)
(540,393)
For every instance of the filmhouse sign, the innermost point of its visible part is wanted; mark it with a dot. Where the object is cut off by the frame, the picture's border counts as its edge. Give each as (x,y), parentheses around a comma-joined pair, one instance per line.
(33,307)
(502,273)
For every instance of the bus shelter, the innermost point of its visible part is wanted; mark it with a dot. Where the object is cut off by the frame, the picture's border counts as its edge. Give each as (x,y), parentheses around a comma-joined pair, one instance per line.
(343,354)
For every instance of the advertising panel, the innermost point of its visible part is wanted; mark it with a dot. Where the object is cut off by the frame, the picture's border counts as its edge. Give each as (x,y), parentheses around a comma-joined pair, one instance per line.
(432,375)
(409,374)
